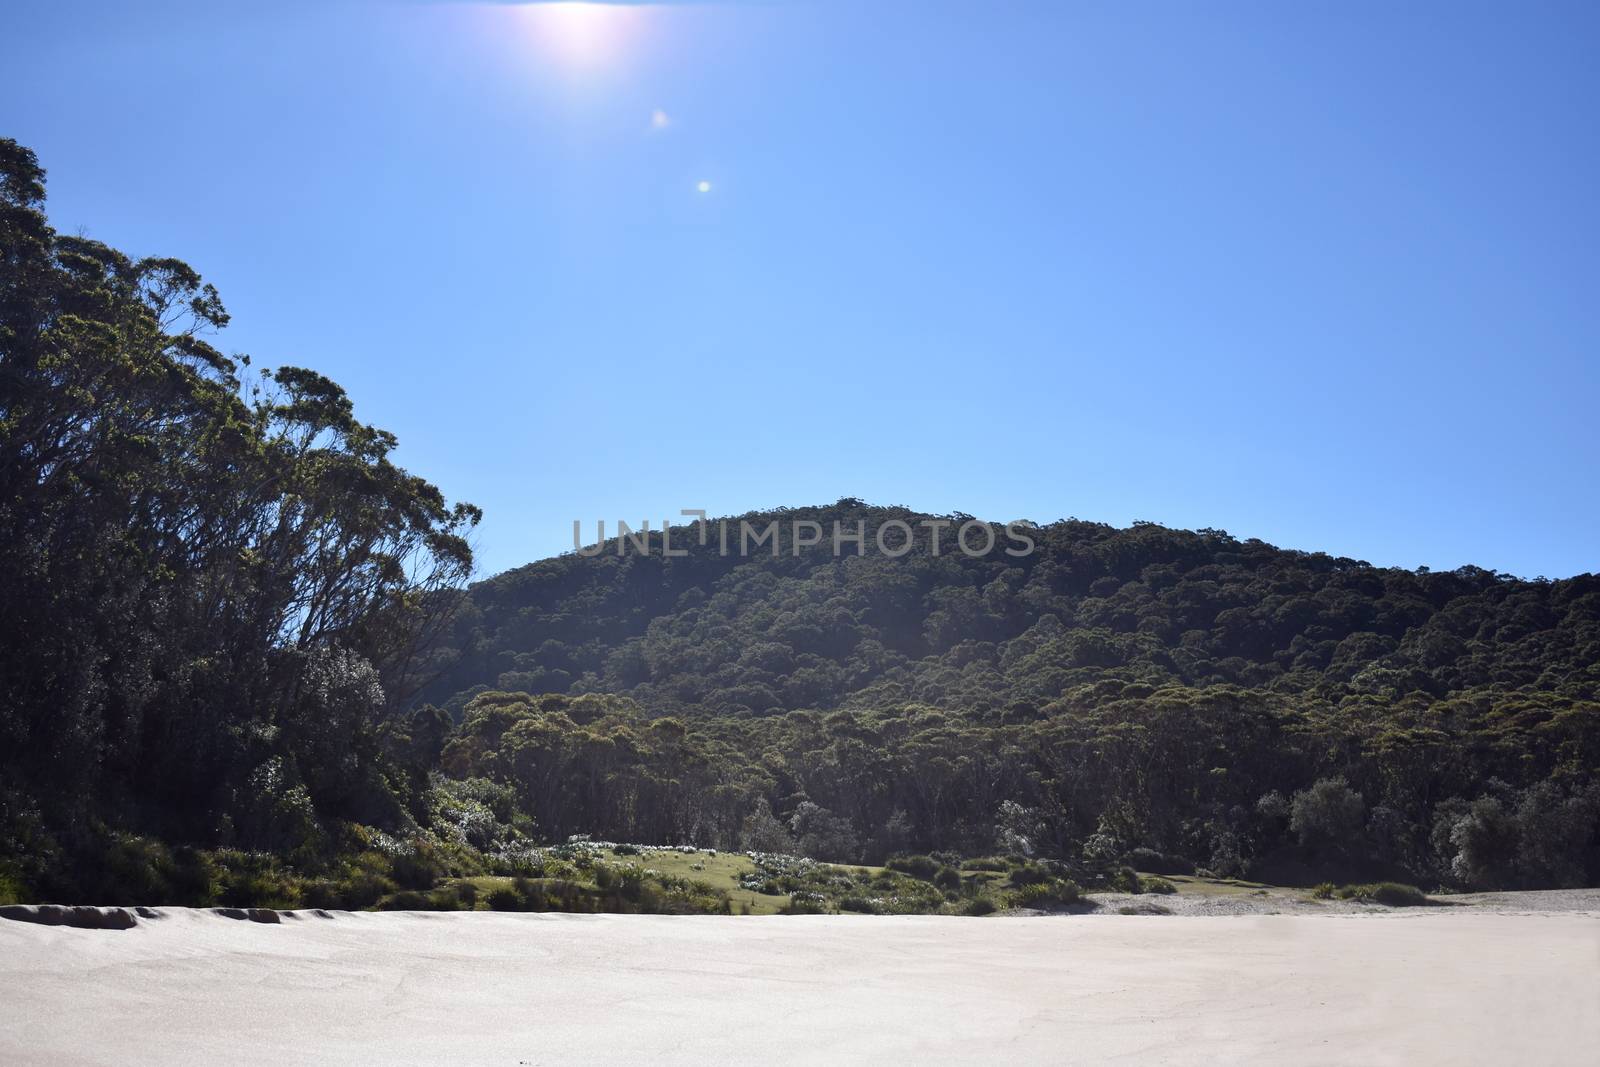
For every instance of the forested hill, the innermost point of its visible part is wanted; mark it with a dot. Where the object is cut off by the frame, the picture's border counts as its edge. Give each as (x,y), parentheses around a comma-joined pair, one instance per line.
(751,634)
(225,602)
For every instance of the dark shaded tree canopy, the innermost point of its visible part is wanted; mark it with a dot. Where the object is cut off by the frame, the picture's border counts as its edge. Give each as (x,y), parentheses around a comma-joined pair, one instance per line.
(754,635)
(215,582)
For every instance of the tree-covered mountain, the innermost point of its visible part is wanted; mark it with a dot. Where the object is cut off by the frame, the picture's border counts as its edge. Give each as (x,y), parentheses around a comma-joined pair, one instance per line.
(237,663)
(1240,706)
(750,634)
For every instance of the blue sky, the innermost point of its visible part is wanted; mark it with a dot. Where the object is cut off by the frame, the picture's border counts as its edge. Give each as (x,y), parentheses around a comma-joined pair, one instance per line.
(1324,274)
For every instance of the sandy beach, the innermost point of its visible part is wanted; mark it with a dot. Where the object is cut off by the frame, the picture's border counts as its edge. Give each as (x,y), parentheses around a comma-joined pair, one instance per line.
(192,987)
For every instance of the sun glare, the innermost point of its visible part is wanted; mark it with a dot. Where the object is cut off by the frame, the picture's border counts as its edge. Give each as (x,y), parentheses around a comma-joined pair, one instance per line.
(580,35)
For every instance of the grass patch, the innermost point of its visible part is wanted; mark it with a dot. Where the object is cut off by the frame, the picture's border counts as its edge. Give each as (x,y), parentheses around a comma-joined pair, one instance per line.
(1194,885)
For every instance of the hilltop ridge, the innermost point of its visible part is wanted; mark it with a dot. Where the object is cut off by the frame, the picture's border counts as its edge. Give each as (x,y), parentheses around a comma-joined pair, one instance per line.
(753,633)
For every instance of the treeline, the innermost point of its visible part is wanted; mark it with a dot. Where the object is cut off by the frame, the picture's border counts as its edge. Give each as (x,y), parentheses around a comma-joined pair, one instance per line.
(1229,704)
(1476,791)
(215,582)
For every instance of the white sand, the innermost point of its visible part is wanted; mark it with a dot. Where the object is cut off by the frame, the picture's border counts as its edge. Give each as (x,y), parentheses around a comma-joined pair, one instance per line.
(537,989)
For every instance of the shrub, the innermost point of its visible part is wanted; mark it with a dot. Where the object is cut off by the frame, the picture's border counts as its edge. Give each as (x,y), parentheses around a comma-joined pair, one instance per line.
(1144,907)
(138,870)
(626,850)
(365,881)
(630,883)
(467,893)
(985,863)
(129,872)
(1159,885)
(254,880)
(504,899)
(321,893)
(10,888)
(1480,844)
(1053,893)
(407,900)
(193,879)
(923,867)
(1329,813)
(1150,861)
(1029,874)
(979,906)
(444,899)
(417,867)
(806,904)
(1124,880)
(1323,891)
(1391,894)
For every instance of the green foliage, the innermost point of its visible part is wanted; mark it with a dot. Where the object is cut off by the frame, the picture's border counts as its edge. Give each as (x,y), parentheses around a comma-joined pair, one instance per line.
(1330,813)
(1151,861)
(256,880)
(1125,880)
(504,900)
(1056,892)
(364,879)
(216,580)
(1157,885)
(1323,891)
(11,890)
(1392,894)
(718,635)
(1024,874)
(416,866)
(1146,696)
(806,904)
(924,867)
(407,900)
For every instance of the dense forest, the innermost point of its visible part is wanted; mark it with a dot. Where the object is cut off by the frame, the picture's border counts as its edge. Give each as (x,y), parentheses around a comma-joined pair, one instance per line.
(215,581)
(239,661)
(1224,702)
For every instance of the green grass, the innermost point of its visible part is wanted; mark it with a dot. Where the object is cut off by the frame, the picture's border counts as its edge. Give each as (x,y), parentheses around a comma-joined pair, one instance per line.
(825,887)
(1392,894)
(1191,885)
(721,871)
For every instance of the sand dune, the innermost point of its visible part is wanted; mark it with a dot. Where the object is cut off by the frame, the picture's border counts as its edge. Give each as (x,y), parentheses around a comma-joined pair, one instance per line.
(194,987)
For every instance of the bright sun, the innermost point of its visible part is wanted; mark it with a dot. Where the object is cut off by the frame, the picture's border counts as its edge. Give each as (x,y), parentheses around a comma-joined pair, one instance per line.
(578,34)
